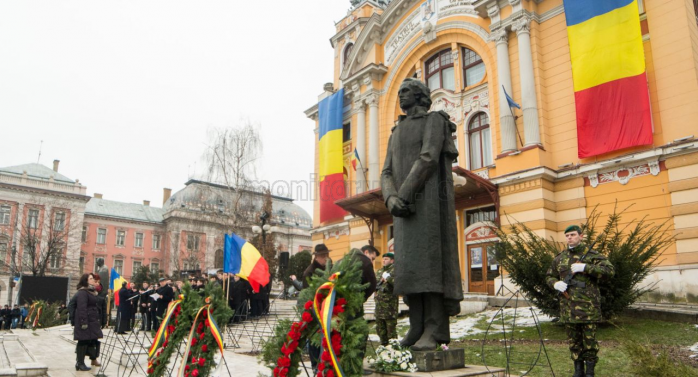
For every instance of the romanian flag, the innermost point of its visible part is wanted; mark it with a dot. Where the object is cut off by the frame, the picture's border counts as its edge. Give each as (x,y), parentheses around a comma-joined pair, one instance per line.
(331,171)
(608,71)
(355,159)
(243,259)
(115,285)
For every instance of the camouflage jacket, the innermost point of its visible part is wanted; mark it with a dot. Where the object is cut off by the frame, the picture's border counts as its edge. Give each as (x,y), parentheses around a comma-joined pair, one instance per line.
(386,303)
(584,305)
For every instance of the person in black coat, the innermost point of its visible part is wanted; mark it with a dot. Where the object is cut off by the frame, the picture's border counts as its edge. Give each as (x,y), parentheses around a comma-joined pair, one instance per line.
(124,312)
(144,306)
(5,315)
(87,322)
(239,293)
(166,296)
(15,315)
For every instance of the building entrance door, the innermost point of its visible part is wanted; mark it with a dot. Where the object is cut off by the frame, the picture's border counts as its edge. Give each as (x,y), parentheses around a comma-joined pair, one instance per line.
(483,268)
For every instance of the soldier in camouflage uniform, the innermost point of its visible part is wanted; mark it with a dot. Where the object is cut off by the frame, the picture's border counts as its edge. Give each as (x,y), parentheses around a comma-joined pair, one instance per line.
(582,310)
(386,303)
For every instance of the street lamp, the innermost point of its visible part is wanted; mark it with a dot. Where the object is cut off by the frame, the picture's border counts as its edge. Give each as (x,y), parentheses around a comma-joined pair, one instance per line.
(264,229)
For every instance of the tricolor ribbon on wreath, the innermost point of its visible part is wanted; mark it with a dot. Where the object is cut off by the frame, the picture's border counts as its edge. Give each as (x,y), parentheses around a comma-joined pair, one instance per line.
(36,312)
(162,334)
(215,331)
(324,313)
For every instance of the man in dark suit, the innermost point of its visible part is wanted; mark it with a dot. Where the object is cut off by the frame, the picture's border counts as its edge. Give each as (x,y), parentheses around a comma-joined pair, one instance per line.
(144,306)
(166,296)
(124,311)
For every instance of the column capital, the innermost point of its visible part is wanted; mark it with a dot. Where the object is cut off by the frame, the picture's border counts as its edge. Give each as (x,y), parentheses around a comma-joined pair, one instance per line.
(359,104)
(372,100)
(500,35)
(522,25)
(514,2)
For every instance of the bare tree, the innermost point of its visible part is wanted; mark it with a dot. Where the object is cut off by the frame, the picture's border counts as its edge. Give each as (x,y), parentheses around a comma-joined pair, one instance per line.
(266,244)
(44,236)
(231,159)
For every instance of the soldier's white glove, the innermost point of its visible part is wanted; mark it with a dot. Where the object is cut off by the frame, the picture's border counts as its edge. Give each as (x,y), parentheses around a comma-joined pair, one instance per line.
(560,286)
(385,275)
(578,267)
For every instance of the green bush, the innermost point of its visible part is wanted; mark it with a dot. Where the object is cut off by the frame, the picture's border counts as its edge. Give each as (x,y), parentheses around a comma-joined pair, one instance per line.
(296,266)
(633,249)
(647,363)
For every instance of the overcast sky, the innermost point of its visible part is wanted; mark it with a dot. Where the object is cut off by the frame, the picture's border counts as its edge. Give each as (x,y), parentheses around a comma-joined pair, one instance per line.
(122,92)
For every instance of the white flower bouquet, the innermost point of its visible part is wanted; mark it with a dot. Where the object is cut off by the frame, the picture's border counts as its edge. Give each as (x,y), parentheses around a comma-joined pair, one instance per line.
(392,358)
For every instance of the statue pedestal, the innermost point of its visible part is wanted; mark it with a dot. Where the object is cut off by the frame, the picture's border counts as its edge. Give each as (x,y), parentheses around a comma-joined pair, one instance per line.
(466,371)
(430,361)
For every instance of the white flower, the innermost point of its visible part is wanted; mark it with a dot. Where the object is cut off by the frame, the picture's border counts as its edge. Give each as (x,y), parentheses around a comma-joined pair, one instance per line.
(403,366)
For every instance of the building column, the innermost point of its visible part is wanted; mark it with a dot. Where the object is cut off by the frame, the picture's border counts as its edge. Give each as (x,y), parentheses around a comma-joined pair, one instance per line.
(361,146)
(522,26)
(373,143)
(506,119)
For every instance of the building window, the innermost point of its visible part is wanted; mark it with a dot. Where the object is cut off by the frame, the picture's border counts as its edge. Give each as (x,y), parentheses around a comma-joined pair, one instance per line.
(480,143)
(101,236)
(473,67)
(136,267)
(55,260)
(139,240)
(156,242)
(33,219)
(82,265)
(119,267)
(346,132)
(154,267)
(193,243)
(120,237)
(440,71)
(84,234)
(218,259)
(185,266)
(3,252)
(5,215)
(59,222)
(477,215)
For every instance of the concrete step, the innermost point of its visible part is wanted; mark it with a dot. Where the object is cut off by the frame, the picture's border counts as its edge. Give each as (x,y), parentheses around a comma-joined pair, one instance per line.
(17,360)
(468,371)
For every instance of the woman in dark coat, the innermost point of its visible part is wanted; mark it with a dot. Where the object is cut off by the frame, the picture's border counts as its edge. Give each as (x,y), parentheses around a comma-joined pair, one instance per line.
(124,313)
(87,321)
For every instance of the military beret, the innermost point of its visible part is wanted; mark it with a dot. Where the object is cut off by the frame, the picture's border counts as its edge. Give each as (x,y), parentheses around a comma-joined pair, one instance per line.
(390,255)
(573,228)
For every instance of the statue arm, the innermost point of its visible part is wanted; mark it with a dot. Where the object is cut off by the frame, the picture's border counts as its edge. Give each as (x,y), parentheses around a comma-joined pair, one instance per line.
(427,163)
(387,182)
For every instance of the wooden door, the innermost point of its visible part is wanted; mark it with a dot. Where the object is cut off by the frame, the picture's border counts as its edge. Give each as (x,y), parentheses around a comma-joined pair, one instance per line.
(482,268)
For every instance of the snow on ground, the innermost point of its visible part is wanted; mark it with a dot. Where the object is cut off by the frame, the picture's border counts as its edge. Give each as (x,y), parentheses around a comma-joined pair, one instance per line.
(473,324)
(694,349)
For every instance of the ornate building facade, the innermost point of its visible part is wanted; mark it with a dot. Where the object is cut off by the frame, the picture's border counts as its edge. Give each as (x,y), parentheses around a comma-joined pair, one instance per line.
(518,165)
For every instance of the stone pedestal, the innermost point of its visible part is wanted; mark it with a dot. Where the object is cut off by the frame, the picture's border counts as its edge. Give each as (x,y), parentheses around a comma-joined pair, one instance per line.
(467,371)
(429,361)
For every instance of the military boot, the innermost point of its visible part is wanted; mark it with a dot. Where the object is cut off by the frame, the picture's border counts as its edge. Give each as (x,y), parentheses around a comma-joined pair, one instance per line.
(590,364)
(578,368)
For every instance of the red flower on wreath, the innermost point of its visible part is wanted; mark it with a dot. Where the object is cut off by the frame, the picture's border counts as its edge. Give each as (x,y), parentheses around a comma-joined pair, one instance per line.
(308,305)
(307,317)
(204,348)
(202,361)
(195,373)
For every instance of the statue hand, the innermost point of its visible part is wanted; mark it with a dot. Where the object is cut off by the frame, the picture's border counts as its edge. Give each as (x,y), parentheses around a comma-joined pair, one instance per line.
(398,207)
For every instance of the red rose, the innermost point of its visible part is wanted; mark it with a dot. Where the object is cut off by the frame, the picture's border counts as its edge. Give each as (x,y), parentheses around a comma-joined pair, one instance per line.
(319,297)
(204,348)
(319,374)
(336,337)
(187,367)
(284,362)
(321,366)
(193,342)
(164,344)
(293,346)
(330,373)
(325,356)
(193,360)
(283,373)
(195,373)
(294,335)
(276,372)
(201,337)
(307,317)
(200,327)
(202,361)
(308,305)
(337,309)
(341,301)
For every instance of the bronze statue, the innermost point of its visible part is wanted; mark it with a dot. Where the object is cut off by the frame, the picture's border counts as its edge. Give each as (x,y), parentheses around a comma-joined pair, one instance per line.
(417,186)
(103,273)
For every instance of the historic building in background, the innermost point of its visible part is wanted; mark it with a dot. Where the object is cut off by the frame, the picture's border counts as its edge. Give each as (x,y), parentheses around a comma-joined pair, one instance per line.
(185,234)
(514,165)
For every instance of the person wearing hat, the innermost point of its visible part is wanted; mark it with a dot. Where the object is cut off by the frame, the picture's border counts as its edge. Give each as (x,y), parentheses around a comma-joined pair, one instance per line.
(166,296)
(123,315)
(320,257)
(386,302)
(580,299)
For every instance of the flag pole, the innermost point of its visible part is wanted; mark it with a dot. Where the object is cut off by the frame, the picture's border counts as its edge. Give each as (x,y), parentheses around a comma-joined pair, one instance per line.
(363,170)
(512,114)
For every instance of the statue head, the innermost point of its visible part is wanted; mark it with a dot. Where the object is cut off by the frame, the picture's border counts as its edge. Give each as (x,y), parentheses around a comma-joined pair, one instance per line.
(100,262)
(414,93)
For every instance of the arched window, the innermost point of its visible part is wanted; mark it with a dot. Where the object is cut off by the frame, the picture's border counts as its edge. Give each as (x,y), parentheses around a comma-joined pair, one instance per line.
(439,69)
(347,53)
(473,67)
(480,141)
(218,259)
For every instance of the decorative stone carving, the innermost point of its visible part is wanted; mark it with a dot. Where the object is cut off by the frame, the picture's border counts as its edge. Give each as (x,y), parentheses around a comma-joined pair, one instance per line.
(485,173)
(419,73)
(454,56)
(493,10)
(356,88)
(654,167)
(500,36)
(450,107)
(336,233)
(367,80)
(522,25)
(480,233)
(476,102)
(372,100)
(593,179)
(624,174)
(514,2)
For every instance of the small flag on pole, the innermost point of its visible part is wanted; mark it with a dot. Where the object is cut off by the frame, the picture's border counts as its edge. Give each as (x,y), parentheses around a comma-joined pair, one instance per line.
(355,159)
(511,100)
(243,259)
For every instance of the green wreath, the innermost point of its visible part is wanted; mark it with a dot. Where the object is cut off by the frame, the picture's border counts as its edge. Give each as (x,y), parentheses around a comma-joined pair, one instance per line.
(282,353)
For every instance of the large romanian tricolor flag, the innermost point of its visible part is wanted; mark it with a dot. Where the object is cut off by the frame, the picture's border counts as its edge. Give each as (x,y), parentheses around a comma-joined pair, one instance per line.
(608,70)
(331,171)
(243,259)
(115,284)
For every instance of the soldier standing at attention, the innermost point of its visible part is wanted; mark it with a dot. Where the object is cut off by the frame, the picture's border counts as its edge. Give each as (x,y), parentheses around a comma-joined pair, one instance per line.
(386,303)
(580,301)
